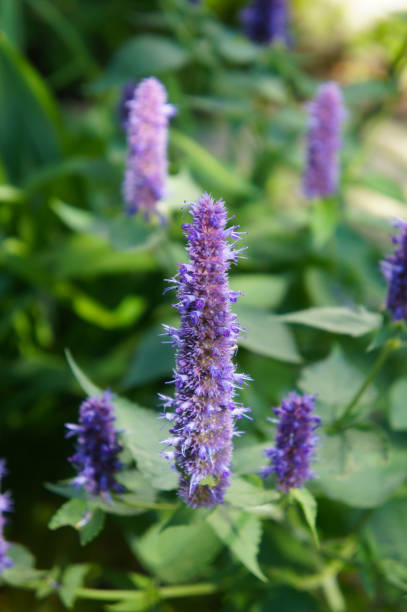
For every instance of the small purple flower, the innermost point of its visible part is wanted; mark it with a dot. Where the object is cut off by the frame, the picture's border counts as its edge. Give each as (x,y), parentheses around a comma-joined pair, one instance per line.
(394,269)
(6,506)
(267,21)
(127,94)
(326,116)
(98,448)
(204,410)
(147,135)
(295,442)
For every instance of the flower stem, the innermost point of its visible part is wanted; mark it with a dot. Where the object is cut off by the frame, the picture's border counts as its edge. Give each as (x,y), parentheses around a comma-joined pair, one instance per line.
(349,412)
(183,590)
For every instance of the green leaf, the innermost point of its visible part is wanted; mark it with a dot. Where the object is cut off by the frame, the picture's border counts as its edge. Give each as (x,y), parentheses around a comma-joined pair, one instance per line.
(177,553)
(92,528)
(243,494)
(266,335)
(241,532)
(398,405)
(142,56)
(336,381)
(142,436)
(29,120)
(336,319)
(72,579)
(153,360)
(357,469)
(71,513)
(387,529)
(85,383)
(309,506)
(77,219)
(211,172)
(22,573)
(323,219)
(249,459)
(260,290)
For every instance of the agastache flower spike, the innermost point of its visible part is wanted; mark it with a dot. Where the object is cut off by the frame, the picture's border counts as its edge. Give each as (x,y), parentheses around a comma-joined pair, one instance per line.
(394,269)
(98,448)
(147,135)
(267,21)
(326,114)
(295,442)
(204,409)
(6,506)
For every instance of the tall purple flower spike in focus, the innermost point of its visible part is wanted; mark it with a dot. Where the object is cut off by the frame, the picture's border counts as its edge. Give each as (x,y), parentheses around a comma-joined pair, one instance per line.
(6,506)
(324,141)
(147,136)
(267,21)
(394,269)
(295,442)
(204,410)
(97,450)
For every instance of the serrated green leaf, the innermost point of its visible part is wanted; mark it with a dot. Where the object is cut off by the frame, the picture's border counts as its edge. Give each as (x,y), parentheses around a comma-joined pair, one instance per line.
(244,494)
(71,513)
(177,553)
(266,335)
(336,319)
(92,528)
(309,506)
(241,532)
(22,573)
(72,579)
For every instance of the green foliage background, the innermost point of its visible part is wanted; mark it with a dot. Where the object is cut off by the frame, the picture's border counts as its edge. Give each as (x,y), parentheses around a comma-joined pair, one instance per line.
(75,274)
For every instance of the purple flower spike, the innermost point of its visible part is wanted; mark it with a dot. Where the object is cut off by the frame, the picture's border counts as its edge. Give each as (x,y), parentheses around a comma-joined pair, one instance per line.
(97,449)
(267,21)
(292,455)
(394,269)
(204,410)
(326,116)
(6,506)
(147,135)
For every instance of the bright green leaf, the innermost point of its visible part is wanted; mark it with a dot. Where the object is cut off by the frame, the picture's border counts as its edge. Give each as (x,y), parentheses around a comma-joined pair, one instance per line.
(241,532)
(72,579)
(337,320)
(309,506)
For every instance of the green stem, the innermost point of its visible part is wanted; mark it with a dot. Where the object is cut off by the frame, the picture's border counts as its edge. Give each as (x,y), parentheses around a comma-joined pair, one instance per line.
(184,590)
(349,411)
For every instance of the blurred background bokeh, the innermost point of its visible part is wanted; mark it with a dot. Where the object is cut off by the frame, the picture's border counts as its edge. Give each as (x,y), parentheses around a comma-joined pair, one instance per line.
(69,275)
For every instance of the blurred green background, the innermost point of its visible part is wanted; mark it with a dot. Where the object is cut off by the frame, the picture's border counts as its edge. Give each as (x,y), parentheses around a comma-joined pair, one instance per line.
(75,274)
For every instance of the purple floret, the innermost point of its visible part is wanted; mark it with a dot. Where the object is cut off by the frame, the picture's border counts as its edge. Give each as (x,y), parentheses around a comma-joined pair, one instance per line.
(394,269)
(326,116)
(267,21)
(6,506)
(147,136)
(204,411)
(97,450)
(295,442)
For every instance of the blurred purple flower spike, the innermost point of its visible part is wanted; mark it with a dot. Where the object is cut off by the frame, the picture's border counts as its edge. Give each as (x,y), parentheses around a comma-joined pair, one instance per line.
(147,137)
(267,21)
(394,269)
(324,141)
(6,506)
